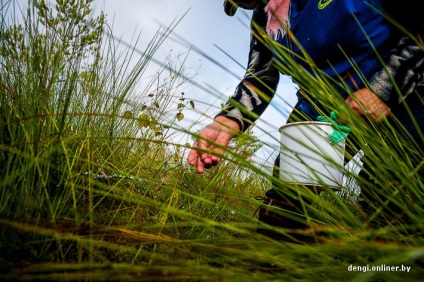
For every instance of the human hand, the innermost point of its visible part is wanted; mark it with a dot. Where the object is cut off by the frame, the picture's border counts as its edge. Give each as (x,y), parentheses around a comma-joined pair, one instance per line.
(366,103)
(211,143)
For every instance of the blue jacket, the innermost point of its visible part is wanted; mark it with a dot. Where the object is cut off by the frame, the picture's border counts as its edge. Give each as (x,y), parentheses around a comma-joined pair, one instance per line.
(337,35)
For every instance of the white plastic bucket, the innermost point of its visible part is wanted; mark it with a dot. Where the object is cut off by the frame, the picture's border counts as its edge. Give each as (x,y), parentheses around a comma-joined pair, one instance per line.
(308,158)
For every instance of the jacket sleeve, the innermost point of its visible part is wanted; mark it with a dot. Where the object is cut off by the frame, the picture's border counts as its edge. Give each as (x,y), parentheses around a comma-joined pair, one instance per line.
(404,70)
(254,93)
(404,66)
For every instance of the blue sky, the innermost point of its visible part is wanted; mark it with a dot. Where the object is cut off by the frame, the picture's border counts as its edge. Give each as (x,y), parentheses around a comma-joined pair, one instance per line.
(206,27)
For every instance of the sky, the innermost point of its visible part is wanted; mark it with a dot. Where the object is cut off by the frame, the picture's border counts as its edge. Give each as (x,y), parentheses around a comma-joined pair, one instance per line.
(204,26)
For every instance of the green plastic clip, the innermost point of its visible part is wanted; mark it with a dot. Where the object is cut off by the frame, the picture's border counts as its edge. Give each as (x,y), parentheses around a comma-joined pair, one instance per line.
(340,131)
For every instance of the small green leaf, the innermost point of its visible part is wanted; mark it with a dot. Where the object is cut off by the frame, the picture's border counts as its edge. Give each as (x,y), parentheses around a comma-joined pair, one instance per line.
(153,123)
(143,121)
(128,114)
(181,105)
(192,104)
(180,116)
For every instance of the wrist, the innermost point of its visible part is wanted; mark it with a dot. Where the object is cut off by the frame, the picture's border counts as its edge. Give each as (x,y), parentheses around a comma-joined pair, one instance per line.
(231,125)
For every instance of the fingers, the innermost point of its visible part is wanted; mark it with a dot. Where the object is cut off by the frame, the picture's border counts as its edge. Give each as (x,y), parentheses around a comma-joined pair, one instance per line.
(200,158)
(200,167)
(366,103)
(354,106)
(202,147)
(194,158)
(208,148)
(193,155)
(210,161)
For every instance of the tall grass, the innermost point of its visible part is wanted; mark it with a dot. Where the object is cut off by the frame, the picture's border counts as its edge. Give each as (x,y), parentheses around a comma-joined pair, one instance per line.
(93,187)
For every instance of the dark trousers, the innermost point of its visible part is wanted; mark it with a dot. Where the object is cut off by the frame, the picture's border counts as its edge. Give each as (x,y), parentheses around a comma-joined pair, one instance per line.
(285,209)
